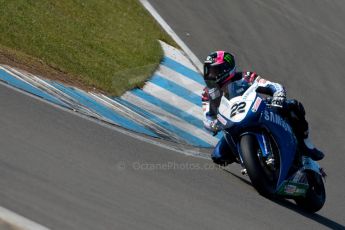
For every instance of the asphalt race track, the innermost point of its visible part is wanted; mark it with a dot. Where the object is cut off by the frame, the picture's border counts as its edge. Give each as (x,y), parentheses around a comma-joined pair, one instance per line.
(67,172)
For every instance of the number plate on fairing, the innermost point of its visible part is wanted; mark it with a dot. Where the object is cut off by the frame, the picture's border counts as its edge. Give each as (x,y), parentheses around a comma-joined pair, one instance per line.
(237,108)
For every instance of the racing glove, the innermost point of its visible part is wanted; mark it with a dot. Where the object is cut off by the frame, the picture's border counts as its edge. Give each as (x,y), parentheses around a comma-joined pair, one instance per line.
(211,124)
(205,95)
(215,127)
(278,99)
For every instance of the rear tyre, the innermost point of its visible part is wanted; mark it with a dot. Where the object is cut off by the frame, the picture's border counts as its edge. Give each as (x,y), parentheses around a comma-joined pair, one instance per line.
(258,177)
(316,194)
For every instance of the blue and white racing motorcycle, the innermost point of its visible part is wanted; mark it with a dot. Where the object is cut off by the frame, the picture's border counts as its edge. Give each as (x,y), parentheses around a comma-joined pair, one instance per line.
(266,147)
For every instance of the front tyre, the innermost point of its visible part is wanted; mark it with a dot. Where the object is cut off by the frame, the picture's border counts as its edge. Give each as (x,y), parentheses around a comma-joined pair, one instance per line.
(316,194)
(250,157)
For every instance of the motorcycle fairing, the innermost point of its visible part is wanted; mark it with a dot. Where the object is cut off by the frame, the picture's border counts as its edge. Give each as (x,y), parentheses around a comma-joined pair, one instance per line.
(285,139)
(254,120)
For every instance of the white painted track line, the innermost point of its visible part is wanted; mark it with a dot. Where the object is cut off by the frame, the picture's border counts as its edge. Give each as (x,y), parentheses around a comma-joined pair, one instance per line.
(170,31)
(19,222)
(180,79)
(172,119)
(174,100)
(177,55)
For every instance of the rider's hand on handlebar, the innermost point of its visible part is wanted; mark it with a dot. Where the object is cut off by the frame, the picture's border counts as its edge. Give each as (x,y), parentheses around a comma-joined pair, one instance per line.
(278,100)
(214,127)
(211,124)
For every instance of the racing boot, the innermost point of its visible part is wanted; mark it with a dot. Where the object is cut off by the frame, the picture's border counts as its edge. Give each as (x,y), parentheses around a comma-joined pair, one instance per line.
(222,154)
(222,161)
(309,150)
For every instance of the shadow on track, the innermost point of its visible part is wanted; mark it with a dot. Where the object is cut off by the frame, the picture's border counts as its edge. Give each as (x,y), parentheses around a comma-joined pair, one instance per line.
(292,206)
(238,177)
(313,216)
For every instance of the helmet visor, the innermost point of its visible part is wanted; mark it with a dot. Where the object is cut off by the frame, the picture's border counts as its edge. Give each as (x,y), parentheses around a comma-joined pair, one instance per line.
(213,72)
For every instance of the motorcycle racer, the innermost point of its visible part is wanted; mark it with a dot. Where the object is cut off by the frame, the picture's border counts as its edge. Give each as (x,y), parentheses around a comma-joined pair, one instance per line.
(222,79)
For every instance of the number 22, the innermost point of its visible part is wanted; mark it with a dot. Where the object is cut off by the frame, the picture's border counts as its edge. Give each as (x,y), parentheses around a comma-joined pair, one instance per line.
(237,108)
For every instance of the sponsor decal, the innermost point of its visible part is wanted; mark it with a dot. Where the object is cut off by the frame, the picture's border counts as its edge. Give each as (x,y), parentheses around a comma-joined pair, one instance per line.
(221,119)
(301,191)
(237,108)
(278,120)
(290,189)
(228,58)
(209,59)
(214,93)
(293,189)
(256,104)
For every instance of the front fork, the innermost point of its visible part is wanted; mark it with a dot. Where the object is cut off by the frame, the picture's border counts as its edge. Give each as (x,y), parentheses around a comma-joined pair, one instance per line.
(265,149)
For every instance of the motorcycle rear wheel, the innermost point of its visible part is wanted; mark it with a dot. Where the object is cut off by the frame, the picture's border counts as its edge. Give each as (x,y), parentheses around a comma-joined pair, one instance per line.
(316,194)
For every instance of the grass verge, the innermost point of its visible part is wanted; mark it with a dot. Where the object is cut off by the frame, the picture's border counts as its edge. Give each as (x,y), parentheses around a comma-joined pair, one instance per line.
(107,44)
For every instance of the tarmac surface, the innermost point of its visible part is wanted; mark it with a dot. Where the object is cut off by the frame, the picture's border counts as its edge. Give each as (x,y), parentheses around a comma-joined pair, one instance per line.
(66,172)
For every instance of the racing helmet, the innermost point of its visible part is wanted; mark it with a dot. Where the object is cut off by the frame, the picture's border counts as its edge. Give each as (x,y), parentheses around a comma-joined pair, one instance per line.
(219,68)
